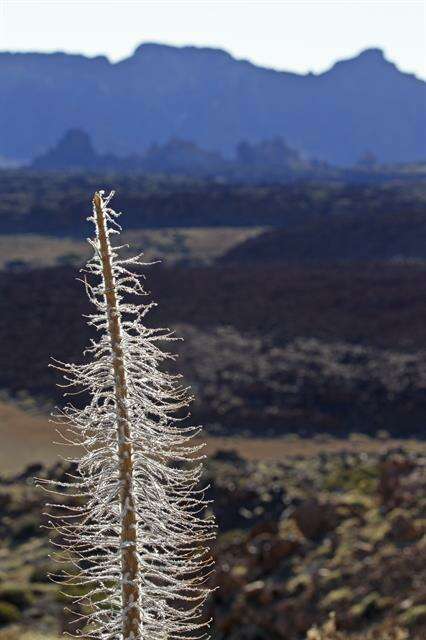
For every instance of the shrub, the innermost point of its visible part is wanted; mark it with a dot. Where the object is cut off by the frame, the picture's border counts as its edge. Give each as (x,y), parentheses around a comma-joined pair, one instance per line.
(9,613)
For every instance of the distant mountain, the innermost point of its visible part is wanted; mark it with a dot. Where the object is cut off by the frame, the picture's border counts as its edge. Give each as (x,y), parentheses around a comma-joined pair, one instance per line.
(267,160)
(207,97)
(75,151)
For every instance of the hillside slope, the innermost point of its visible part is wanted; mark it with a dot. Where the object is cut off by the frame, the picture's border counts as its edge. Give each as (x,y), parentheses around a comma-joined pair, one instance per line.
(306,350)
(350,238)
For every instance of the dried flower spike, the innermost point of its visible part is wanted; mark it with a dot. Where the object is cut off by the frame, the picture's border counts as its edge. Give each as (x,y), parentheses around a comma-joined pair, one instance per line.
(135,535)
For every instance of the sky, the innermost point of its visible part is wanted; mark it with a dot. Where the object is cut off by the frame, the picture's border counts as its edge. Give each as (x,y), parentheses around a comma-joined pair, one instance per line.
(293,35)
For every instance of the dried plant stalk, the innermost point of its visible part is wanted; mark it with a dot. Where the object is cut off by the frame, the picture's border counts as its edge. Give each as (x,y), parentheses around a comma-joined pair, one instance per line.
(129,531)
(136,538)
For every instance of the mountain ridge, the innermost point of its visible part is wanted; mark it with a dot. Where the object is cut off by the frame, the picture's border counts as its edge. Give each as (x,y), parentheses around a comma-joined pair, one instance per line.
(217,102)
(370,53)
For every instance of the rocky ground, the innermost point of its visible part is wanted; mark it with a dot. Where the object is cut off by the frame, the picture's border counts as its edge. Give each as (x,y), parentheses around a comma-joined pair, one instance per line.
(266,351)
(300,538)
(305,385)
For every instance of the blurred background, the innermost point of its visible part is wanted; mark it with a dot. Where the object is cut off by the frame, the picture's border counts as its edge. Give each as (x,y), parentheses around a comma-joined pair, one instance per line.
(272,155)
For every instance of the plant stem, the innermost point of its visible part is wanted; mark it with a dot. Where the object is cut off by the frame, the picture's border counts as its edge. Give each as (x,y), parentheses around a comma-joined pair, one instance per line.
(131,619)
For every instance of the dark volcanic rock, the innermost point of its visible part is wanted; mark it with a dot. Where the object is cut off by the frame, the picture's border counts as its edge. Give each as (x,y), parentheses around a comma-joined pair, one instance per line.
(314,519)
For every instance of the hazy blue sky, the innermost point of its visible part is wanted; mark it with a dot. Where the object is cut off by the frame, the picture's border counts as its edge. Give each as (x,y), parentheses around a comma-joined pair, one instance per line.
(297,35)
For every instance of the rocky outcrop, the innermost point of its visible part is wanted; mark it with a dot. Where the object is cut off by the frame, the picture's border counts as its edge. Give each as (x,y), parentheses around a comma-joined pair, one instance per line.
(298,539)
